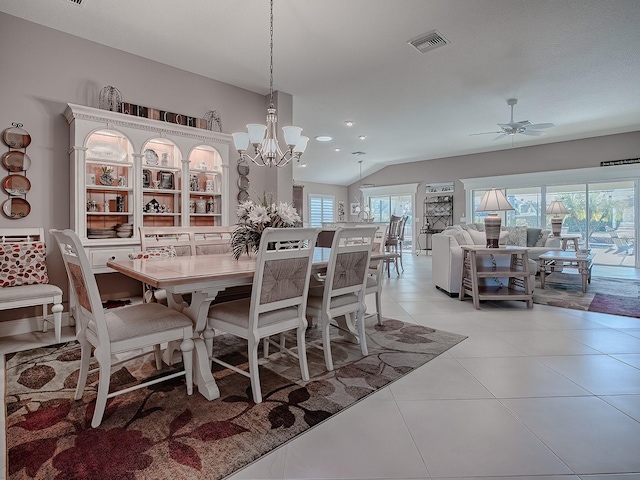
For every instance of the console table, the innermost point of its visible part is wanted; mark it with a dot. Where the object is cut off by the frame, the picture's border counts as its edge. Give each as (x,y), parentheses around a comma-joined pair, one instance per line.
(517,272)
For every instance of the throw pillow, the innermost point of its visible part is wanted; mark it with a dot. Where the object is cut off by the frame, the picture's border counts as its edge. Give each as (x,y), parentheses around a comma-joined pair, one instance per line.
(503,237)
(533,234)
(479,238)
(542,239)
(22,264)
(154,253)
(516,236)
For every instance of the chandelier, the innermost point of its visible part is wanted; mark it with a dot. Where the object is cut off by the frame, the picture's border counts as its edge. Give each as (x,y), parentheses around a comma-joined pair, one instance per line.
(362,209)
(264,138)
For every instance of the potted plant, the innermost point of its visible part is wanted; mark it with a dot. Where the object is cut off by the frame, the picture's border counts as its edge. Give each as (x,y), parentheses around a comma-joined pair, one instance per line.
(106,177)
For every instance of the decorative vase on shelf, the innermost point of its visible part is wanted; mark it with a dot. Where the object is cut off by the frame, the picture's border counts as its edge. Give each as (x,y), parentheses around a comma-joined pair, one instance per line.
(106,177)
(201,205)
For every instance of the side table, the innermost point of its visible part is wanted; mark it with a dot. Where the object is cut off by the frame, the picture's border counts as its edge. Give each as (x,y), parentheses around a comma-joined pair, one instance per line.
(517,272)
(550,260)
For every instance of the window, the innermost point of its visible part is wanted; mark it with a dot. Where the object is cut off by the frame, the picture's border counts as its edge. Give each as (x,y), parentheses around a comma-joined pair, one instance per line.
(321,209)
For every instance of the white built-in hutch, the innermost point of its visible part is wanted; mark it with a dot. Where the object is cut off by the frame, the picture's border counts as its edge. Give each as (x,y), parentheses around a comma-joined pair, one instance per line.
(129,171)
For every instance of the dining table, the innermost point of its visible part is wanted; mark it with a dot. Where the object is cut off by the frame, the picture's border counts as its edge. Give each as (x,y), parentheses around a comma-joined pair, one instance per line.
(204,276)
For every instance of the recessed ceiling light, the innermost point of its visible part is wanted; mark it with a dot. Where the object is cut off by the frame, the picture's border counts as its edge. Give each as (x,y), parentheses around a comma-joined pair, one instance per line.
(337,149)
(362,137)
(349,123)
(302,165)
(324,138)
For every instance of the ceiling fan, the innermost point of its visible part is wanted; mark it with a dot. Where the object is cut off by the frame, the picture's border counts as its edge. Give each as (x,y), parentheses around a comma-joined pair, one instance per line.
(512,128)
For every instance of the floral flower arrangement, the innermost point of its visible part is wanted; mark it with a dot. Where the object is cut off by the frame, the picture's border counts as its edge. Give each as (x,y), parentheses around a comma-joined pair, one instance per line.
(253,218)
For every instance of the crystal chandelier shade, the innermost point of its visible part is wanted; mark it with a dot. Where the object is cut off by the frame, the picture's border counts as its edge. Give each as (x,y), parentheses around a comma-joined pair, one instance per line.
(264,138)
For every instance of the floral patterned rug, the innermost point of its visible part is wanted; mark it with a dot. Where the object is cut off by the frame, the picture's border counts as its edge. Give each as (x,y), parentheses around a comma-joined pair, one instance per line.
(159,432)
(604,295)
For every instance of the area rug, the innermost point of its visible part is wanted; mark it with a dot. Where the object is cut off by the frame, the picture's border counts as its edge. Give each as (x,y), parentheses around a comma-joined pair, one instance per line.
(604,295)
(160,432)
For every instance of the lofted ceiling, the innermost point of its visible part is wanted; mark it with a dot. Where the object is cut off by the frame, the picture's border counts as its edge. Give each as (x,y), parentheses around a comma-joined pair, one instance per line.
(574,63)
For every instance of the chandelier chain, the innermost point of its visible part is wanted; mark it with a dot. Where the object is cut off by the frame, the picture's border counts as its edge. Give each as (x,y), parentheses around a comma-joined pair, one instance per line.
(271,57)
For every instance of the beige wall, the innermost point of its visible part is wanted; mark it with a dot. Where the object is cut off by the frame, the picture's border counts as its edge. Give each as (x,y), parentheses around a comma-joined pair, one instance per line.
(554,156)
(44,69)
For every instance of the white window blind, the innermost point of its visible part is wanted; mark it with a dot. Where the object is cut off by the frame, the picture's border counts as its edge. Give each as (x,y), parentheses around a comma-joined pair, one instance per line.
(320,209)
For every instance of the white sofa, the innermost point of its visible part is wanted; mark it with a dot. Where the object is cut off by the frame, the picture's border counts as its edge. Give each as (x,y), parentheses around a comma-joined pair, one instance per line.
(447,254)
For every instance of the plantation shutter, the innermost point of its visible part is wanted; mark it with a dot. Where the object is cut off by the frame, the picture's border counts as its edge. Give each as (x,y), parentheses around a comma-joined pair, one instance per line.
(320,209)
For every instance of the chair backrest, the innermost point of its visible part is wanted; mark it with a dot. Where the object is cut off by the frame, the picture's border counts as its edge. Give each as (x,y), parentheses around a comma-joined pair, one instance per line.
(394,227)
(283,271)
(348,262)
(187,240)
(17,234)
(83,285)
(401,227)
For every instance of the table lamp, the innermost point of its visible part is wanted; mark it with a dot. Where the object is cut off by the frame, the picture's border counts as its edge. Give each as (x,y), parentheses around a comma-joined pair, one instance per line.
(493,201)
(557,208)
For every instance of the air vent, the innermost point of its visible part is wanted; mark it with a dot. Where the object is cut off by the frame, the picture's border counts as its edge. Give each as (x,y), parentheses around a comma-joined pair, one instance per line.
(357,154)
(75,2)
(428,41)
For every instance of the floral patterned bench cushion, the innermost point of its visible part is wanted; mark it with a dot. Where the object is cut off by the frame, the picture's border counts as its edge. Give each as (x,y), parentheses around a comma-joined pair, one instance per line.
(22,263)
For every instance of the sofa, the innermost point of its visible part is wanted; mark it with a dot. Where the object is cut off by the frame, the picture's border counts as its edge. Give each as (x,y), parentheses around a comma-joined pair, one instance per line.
(447,251)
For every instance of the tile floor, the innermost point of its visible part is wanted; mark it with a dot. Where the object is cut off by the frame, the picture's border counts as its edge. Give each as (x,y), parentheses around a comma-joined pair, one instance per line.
(545,393)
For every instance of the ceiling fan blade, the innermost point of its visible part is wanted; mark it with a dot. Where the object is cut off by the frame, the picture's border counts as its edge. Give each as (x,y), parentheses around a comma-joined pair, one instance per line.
(532,133)
(524,123)
(536,126)
(500,136)
(483,133)
(505,126)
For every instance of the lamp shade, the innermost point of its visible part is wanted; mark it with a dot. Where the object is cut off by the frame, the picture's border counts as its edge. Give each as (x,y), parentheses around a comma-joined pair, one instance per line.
(494,200)
(557,208)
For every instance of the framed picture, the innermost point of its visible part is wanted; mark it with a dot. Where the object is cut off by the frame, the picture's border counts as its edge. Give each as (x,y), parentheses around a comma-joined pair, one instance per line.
(146,178)
(354,208)
(166,180)
(341,210)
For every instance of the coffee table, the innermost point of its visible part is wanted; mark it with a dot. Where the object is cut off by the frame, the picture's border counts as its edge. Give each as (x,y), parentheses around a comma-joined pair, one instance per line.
(552,259)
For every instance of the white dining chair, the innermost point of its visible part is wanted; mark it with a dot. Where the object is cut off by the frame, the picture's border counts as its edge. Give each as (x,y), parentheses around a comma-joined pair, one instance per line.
(374,274)
(118,330)
(342,291)
(277,304)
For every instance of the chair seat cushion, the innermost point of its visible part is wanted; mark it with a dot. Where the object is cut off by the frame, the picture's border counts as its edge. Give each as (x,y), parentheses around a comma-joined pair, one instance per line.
(315,299)
(26,292)
(139,320)
(237,313)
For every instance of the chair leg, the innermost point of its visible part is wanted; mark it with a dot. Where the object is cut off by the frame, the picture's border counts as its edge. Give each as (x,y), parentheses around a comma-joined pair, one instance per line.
(187,358)
(104,361)
(302,353)
(56,309)
(208,335)
(361,333)
(326,343)
(45,325)
(85,359)
(158,356)
(265,347)
(254,374)
(379,307)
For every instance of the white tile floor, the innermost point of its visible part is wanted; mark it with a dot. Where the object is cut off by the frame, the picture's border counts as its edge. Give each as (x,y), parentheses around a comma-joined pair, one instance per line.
(545,394)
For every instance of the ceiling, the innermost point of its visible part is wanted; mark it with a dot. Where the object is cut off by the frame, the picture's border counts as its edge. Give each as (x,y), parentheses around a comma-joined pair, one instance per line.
(574,63)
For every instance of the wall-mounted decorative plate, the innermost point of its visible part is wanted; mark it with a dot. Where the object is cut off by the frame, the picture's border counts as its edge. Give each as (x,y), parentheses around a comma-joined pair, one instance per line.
(16,161)
(243,196)
(16,185)
(16,137)
(243,183)
(243,169)
(16,208)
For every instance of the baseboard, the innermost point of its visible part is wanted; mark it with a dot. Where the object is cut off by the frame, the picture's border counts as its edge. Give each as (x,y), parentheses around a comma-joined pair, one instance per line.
(451,294)
(28,325)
